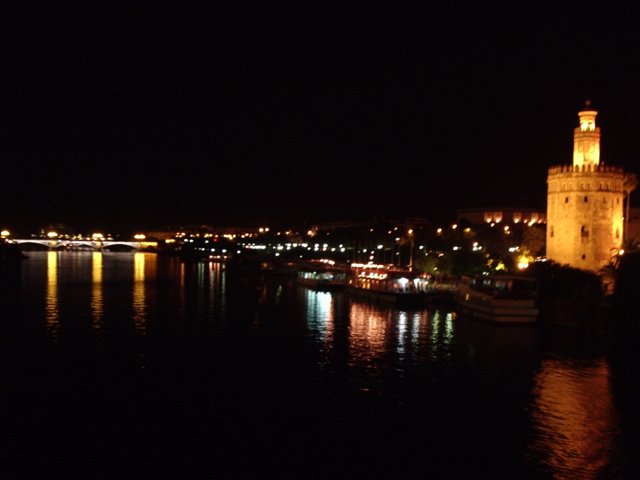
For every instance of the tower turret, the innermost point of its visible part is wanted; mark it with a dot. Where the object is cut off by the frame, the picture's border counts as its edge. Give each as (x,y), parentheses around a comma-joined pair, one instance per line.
(586,138)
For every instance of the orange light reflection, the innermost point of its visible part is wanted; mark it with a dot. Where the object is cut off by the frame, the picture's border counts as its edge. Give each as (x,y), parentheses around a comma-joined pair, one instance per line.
(97,300)
(51,318)
(573,414)
(139,306)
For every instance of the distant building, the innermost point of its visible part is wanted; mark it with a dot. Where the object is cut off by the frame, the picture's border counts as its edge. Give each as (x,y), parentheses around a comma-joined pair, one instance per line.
(506,215)
(585,202)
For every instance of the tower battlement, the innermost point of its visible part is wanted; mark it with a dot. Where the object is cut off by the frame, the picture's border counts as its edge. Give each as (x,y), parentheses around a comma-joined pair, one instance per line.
(586,168)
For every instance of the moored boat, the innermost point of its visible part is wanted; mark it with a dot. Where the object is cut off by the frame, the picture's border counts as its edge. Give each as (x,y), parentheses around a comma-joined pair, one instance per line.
(323,274)
(389,284)
(500,298)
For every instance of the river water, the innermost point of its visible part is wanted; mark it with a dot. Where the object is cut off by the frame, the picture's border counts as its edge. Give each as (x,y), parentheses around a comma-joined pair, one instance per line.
(115,363)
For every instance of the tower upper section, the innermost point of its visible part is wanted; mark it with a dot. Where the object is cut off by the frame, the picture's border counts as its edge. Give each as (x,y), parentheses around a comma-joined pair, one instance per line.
(586,138)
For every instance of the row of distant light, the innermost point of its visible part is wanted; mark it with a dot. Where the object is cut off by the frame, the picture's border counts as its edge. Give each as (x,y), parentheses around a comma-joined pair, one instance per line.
(476,247)
(94,236)
(233,236)
(506,228)
(317,247)
(288,246)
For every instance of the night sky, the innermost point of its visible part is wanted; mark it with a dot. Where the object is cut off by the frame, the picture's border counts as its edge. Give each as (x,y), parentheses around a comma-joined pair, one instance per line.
(140,114)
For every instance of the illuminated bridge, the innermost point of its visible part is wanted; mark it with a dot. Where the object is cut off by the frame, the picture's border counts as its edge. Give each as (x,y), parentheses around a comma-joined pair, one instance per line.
(60,244)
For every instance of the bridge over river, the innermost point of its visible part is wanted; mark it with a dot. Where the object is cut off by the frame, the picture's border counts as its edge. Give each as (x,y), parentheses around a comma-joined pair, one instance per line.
(97,245)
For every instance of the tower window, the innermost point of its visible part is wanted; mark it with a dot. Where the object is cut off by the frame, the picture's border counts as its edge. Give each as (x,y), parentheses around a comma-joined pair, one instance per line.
(584,232)
(617,233)
(566,199)
(551,232)
(584,256)
(586,199)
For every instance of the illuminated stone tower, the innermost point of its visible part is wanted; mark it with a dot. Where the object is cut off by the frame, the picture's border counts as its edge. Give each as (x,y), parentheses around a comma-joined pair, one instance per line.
(585,202)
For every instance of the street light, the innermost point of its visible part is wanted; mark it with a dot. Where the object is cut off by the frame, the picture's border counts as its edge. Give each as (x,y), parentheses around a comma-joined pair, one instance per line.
(410,232)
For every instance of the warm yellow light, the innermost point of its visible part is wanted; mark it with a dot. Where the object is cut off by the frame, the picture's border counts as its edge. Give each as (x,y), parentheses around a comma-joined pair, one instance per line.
(97,236)
(523,262)
(52,234)
(410,232)
(5,233)
(139,236)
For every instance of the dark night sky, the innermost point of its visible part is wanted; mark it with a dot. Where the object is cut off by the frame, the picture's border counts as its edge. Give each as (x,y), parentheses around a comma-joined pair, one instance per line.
(146,114)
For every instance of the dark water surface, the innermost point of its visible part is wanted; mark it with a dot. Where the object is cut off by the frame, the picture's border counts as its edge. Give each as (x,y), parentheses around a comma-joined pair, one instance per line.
(123,365)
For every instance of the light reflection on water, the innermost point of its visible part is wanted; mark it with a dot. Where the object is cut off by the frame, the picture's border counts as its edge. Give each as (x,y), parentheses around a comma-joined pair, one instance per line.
(561,409)
(139,304)
(573,417)
(368,332)
(441,335)
(97,299)
(571,408)
(51,318)
(320,314)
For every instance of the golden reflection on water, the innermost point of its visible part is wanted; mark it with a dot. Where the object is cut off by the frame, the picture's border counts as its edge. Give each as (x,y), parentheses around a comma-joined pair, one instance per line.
(375,329)
(383,337)
(139,305)
(52,313)
(573,414)
(368,330)
(97,300)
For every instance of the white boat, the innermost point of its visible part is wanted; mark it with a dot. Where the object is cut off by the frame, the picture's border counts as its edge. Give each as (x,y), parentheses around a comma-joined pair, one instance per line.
(500,298)
(323,274)
(389,284)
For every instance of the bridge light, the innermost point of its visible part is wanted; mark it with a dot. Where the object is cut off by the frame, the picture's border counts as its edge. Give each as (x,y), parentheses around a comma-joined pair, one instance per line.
(4,233)
(52,234)
(97,236)
(139,236)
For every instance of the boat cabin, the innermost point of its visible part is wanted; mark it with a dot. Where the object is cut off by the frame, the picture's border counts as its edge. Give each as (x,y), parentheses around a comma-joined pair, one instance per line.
(385,278)
(506,286)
